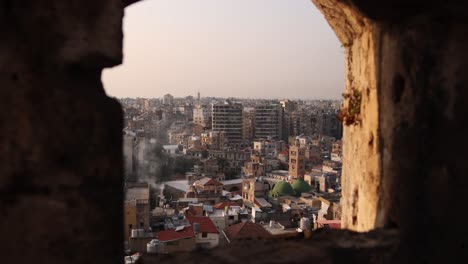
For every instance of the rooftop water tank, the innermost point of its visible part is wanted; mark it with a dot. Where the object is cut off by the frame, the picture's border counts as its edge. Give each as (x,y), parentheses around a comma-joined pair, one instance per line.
(272,223)
(152,246)
(134,233)
(304,224)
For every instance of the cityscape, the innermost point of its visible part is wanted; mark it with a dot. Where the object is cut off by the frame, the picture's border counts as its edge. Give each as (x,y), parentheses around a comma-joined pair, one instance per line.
(203,172)
(255,131)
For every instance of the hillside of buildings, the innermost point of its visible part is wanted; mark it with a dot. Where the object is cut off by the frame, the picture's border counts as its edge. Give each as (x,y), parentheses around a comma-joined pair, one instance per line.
(204,172)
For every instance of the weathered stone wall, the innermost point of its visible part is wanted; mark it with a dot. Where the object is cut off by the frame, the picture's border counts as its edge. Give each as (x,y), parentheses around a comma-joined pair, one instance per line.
(423,91)
(361,153)
(60,139)
(405,157)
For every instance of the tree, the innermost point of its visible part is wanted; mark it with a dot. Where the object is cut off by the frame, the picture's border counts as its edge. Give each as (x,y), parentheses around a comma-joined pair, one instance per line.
(231,174)
(183,164)
(223,164)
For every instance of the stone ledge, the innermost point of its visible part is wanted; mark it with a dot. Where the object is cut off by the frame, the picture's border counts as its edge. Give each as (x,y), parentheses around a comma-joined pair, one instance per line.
(326,246)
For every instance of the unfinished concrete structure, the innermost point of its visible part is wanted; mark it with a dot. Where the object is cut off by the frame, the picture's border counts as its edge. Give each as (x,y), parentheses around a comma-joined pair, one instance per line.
(404,116)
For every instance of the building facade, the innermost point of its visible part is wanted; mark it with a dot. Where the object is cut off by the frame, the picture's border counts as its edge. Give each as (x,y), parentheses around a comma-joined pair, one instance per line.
(268,121)
(227,117)
(297,161)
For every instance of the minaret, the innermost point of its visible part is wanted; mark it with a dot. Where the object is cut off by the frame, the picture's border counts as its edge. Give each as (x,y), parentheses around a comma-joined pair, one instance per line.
(296,160)
(198,98)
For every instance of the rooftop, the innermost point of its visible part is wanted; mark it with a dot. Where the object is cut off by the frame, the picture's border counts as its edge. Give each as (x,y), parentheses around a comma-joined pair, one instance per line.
(179,185)
(205,224)
(137,193)
(208,181)
(171,234)
(229,182)
(262,202)
(246,230)
(224,204)
(276,229)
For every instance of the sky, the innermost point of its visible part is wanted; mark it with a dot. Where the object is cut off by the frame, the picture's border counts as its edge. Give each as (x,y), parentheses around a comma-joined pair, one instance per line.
(227,48)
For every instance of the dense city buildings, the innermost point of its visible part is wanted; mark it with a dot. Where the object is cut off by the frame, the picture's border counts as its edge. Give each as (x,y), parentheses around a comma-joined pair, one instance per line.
(268,121)
(227,117)
(209,171)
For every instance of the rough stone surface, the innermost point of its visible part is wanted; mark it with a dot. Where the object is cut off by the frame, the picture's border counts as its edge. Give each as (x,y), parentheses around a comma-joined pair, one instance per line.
(361,153)
(424,90)
(60,140)
(326,246)
(403,164)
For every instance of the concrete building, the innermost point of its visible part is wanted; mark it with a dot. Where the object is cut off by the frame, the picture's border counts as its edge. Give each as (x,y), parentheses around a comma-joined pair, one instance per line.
(252,188)
(268,121)
(269,148)
(227,214)
(337,153)
(248,121)
(253,169)
(202,115)
(227,117)
(171,149)
(136,208)
(168,99)
(214,140)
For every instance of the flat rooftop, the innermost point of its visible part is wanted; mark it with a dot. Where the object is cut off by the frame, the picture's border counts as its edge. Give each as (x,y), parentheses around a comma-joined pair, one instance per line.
(278,230)
(136,193)
(179,185)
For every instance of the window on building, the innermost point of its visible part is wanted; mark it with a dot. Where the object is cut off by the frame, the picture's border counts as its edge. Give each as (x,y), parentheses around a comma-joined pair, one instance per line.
(205,235)
(231,217)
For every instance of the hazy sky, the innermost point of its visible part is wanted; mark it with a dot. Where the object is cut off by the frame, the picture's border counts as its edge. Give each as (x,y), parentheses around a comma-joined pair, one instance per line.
(228,48)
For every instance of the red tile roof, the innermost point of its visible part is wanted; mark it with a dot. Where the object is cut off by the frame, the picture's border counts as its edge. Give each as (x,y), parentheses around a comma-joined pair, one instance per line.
(208,181)
(246,230)
(205,224)
(224,204)
(171,234)
(333,224)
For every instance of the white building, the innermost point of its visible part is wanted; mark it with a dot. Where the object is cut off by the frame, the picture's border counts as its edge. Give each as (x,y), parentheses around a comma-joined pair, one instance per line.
(206,233)
(171,149)
(201,115)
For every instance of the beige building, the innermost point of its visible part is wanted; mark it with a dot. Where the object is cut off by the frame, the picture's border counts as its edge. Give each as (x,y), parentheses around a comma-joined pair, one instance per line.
(136,208)
(253,169)
(202,115)
(252,187)
(206,190)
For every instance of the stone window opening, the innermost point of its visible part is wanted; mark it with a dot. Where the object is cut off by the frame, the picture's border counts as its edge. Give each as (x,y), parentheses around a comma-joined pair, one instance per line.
(405,62)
